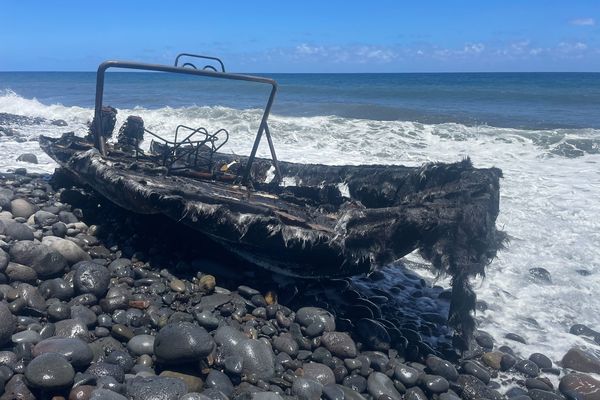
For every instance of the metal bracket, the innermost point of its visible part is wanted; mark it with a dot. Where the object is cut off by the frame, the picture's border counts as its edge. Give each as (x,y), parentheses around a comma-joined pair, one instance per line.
(263,127)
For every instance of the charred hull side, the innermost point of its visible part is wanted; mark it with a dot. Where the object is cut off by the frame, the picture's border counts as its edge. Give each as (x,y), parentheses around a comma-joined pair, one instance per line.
(333,221)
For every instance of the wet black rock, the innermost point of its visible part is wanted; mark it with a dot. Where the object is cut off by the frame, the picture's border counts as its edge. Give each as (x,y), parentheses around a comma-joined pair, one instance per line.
(318,372)
(472,389)
(379,384)
(484,339)
(75,350)
(56,288)
(415,393)
(307,389)
(407,375)
(434,383)
(528,368)
(182,342)
(219,381)
(307,315)
(49,371)
(339,344)
(537,394)
(45,261)
(541,360)
(477,371)
(441,367)
(156,388)
(22,208)
(15,230)
(580,386)
(515,337)
(581,360)
(7,323)
(91,278)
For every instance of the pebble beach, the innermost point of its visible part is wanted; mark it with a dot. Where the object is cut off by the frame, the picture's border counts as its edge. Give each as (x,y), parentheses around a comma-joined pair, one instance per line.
(98,303)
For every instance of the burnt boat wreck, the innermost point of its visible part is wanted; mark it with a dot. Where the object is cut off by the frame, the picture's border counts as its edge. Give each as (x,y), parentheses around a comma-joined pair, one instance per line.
(301,220)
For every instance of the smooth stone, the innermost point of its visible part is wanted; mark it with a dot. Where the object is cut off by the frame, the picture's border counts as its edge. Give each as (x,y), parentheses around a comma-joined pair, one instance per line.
(193,383)
(156,388)
(233,365)
(435,383)
(122,332)
(207,319)
(22,208)
(44,260)
(537,394)
(71,328)
(49,371)
(68,249)
(484,339)
(415,393)
(32,297)
(305,316)
(582,361)
(492,359)
(207,283)
(333,392)
(58,311)
(20,273)
(4,260)
(218,380)
(182,342)
(91,278)
(350,394)
(515,337)
(407,375)
(441,367)
(57,288)
(141,344)
(307,389)
(7,323)
(101,369)
(379,384)
(528,368)
(318,372)
(540,360)
(45,218)
(26,336)
(472,368)
(580,386)
(473,389)
(315,329)
(16,388)
(258,358)
(286,344)
(533,383)
(507,362)
(339,344)
(15,230)
(105,394)
(84,314)
(103,346)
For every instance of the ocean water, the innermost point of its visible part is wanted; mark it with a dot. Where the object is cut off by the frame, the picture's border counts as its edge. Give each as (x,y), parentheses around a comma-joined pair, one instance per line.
(542,130)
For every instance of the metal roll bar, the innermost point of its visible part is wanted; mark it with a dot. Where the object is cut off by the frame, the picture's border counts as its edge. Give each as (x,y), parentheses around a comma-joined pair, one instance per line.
(199,56)
(99,139)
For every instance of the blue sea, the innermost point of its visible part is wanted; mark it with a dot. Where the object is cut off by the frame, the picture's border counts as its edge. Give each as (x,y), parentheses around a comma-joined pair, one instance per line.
(541,129)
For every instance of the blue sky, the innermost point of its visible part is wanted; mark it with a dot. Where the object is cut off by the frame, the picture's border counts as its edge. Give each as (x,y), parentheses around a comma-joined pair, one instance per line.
(306,36)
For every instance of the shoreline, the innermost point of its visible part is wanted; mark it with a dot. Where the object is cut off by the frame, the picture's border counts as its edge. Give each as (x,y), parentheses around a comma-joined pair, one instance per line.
(114,289)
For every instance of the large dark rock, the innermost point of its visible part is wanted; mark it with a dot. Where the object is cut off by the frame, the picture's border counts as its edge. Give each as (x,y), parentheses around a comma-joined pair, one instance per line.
(181,342)
(581,361)
(91,278)
(15,230)
(49,371)
(580,386)
(473,389)
(78,352)
(309,315)
(380,384)
(22,208)
(339,344)
(45,261)
(156,388)
(8,323)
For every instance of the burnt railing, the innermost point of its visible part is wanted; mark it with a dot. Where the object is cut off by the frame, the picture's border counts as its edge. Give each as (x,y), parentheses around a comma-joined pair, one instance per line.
(100,140)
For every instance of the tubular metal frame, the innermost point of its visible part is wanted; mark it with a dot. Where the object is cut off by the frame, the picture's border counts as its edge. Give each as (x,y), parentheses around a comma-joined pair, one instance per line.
(99,140)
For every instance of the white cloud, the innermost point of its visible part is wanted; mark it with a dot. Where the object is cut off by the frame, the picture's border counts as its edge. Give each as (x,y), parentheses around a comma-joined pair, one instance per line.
(583,22)
(474,48)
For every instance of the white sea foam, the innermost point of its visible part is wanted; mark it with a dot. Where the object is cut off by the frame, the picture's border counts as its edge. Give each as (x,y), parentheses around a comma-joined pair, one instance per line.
(549,203)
